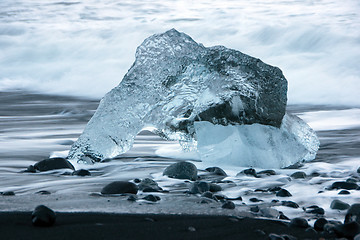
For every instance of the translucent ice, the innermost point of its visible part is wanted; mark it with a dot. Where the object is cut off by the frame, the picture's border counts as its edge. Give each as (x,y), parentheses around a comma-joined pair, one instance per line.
(174,82)
(256,145)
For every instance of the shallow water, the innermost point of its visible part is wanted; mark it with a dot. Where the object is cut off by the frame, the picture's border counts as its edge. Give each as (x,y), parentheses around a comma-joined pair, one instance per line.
(36,126)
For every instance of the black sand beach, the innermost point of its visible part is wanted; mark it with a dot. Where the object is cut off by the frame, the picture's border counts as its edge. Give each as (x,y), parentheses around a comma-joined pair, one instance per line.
(17,225)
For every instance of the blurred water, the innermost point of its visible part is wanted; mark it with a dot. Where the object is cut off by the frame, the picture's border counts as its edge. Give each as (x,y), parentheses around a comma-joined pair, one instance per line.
(83,48)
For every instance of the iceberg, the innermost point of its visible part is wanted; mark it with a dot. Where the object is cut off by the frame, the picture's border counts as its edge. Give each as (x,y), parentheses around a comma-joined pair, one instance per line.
(176,83)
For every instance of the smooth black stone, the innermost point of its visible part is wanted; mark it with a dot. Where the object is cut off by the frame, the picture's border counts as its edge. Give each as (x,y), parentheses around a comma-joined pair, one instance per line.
(358,170)
(340,205)
(344,192)
(283,193)
(215,188)
(274,201)
(267,172)
(269,212)
(255,200)
(348,230)
(249,171)
(30,169)
(290,204)
(82,173)
(199,187)
(149,185)
(319,224)
(208,195)
(344,185)
(234,199)
(136,180)
(43,192)
(52,164)
(132,198)
(119,187)
(299,222)
(353,213)
(152,198)
(297,175)
(43,216)
(274,189)
(216,171)
(181,170)
(254,209)
(317,210)
(282,216)
(220,197)
(228,205)
(8,193)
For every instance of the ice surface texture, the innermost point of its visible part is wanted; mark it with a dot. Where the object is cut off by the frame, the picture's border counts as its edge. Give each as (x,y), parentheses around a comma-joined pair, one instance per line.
(174,82)
(257,145)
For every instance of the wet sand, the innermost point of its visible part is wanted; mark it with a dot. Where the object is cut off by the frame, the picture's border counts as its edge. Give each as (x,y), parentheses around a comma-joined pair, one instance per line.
(17,225)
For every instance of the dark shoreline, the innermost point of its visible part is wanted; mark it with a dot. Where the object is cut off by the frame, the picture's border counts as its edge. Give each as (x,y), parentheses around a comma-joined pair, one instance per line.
(89,225)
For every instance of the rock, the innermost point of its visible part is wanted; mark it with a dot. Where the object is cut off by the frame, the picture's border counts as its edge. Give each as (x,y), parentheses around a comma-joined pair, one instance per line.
(30,169)
(228,205)
(299,222)
(43,192)
(149,185)
(208,195)
(269,212)
(348,230)
(289,204)
(353,213)
(153,93)
(8,193)
(249,171)
(181,170)
(274,189)
(234,199)
(255,209)
(53,164)
(216,171)
(136,180)
(351,180)
(152,198)
(43,216)
(316,210)
(340,205)
(215,188)
(199,187)
(255,200)
(344,192)
(119,187)
(344,185)
(283,193)
(283,217)
(82,173)
(267,172)
(132,198)
(297,175)
(358,170)
(319,224)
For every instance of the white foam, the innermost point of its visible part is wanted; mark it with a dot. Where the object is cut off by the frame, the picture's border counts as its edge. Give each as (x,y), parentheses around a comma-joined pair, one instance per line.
(86,48)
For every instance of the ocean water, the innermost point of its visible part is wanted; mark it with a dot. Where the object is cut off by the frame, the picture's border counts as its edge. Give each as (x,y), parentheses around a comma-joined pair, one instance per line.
(57,59)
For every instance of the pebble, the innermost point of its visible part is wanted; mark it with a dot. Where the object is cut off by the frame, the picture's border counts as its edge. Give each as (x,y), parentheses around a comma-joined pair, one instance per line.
(149,185)
(216,171)
(8,193)
(208,195)
(43,192)
(353,213)
(228,205)
(299,222)
(30,169)
(52,164)
(283,193)
(199,187)
(181,170)
(344,192)
(297,175)
(119,187)
(319,224)
(358,170)
(316,210)
(344,185)
(269,212)
(43,216)
(82,173)
(348,230)
(339,205)
(215,187)
(152,198)
(254,209)
(255,200)
(290,204)
(282,216)
(137,180)
(267,172)
(249,171)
